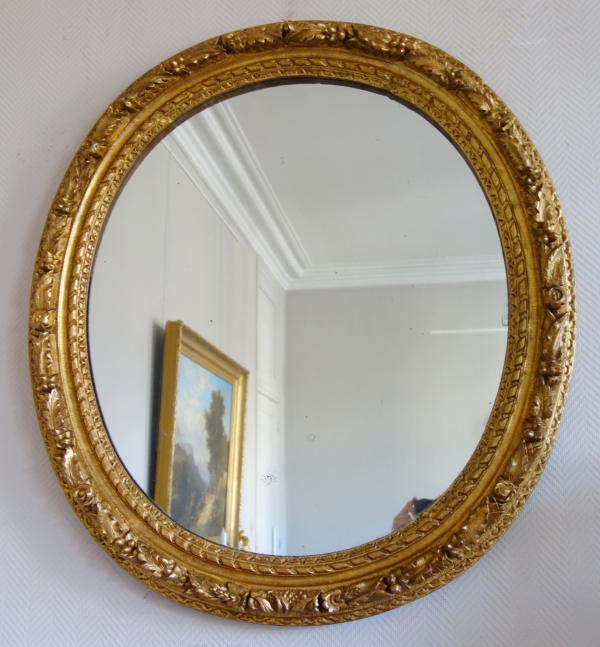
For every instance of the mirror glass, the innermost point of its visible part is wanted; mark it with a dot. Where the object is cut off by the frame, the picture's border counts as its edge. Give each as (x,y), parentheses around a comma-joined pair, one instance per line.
(333,246)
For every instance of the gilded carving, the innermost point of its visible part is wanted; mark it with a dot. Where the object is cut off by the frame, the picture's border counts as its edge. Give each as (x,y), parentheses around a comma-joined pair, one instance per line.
(465,522)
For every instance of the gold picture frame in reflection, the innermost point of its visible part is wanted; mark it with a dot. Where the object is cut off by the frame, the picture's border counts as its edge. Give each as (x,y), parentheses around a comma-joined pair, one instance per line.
(200,439)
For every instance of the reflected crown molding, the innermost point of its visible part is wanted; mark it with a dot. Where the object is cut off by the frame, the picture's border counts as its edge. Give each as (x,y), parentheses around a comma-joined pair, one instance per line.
(231,178)
(409,272)
(215,153)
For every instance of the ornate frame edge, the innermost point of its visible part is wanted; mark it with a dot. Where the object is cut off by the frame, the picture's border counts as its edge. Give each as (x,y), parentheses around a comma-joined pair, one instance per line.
(281,590)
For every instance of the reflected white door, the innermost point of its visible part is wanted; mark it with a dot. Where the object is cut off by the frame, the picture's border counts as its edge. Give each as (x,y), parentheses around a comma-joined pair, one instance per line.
(270,498)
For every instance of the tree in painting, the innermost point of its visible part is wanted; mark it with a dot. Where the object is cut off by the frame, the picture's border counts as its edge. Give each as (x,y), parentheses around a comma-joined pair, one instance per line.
(216,439)
(212,517)
(187,499)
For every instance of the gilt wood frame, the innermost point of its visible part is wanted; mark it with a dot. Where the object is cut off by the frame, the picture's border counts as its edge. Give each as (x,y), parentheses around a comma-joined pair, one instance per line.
(181,340)
(484,499)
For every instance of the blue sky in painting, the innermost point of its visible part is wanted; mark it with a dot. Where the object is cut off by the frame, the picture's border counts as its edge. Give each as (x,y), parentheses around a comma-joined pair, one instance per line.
(194,387)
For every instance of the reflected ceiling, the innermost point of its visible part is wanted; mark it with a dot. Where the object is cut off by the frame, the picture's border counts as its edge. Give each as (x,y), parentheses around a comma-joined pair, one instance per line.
(386,169)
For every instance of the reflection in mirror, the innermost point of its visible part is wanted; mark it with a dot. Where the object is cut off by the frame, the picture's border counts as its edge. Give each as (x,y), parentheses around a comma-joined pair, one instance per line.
(334,244)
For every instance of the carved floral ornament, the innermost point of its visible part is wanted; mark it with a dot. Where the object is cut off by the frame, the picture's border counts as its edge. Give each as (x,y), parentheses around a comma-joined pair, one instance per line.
(486,497)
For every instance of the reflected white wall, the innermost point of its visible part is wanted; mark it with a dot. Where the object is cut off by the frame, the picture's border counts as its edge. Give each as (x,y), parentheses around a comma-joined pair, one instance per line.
(126,310)
(378,410)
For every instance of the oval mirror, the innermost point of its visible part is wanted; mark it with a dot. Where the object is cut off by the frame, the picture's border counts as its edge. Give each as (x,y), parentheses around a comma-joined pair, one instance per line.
(334,243)
(302,323)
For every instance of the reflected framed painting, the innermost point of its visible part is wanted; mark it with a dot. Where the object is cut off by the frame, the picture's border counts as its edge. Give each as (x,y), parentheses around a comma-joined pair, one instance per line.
(200,436)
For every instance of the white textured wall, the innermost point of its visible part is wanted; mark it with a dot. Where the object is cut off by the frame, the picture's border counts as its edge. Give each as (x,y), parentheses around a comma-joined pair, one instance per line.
(62,62)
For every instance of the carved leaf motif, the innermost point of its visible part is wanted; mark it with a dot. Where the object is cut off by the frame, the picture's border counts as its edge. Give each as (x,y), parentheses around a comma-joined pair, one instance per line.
(131,102)
(260,602)
(466,540)
(111,529)
(52,411)
(308,33)
(554,270)
(519,154)
(43,350)
(205,52)
(176,66)
(69,467)
(253,39)
(484,103)
(517,465)
(554,336)
(423,567)
(534,428)
(107,127)
(161,567)
(547,209)
(56,229)
(199,586)
(227,593)
(43,296)
(432,65)
(474,528)
(379,40)
(93,148)
(377,591)
(71,190)
(145,90)
(238,595)
(283,601)
(306,603)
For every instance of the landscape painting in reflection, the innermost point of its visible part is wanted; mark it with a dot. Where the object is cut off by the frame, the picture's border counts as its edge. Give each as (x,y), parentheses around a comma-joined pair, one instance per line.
(200,449)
